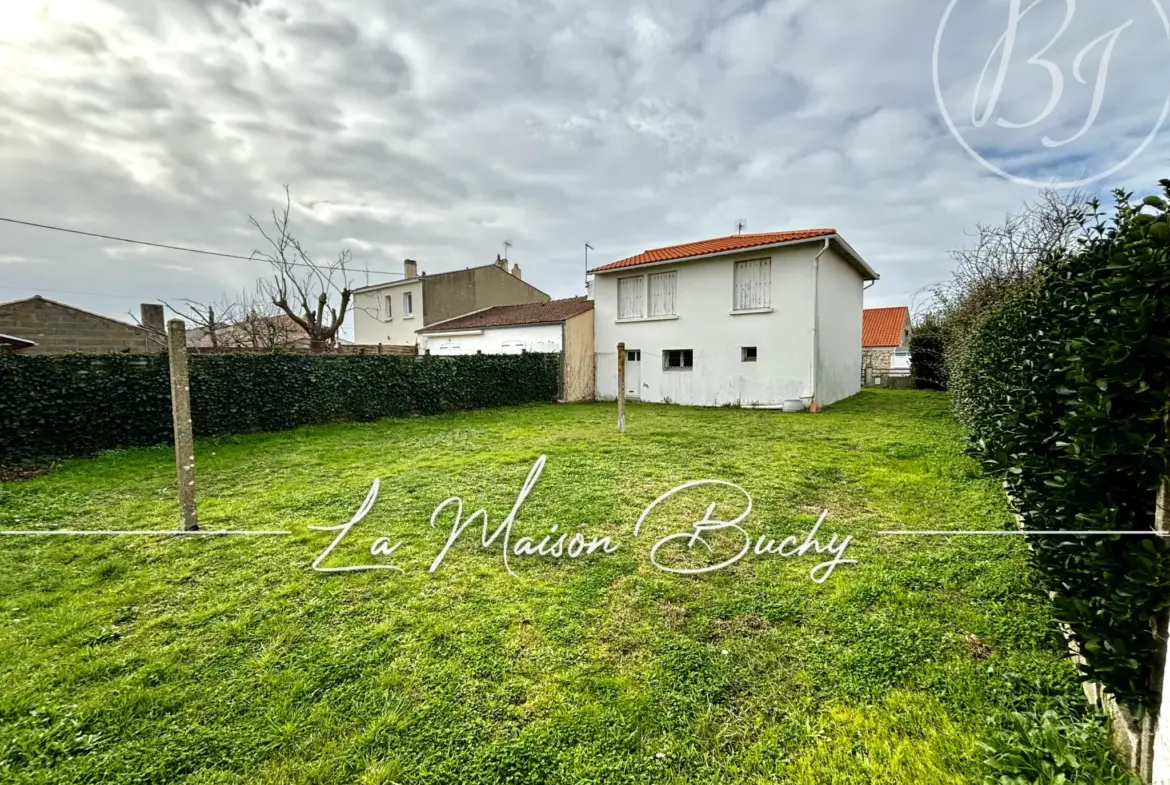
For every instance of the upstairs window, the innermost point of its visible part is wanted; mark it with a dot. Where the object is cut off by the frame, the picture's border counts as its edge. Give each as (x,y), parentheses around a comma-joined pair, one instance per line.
(630,295)
(678,359)
(663,287)
(389,307)
(407,304)
(748,354)
(752,285)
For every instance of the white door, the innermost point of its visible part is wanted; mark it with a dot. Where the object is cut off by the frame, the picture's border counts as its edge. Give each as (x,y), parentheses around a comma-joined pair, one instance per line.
(633,373)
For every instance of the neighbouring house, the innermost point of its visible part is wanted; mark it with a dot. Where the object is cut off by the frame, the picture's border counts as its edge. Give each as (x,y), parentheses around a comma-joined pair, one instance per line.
(885,342)
(254,331)
(392,313)
(56,328)
(751,319)
(564,326)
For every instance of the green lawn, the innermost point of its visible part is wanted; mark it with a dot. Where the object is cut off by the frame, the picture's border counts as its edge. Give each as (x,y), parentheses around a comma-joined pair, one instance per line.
(228,660)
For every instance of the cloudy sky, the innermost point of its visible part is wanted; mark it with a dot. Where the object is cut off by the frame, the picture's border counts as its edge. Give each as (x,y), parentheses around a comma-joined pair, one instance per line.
(437,130)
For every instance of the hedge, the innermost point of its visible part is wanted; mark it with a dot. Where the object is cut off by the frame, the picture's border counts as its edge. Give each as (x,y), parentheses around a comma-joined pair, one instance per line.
(1063,387)
(928,355)
(75,405)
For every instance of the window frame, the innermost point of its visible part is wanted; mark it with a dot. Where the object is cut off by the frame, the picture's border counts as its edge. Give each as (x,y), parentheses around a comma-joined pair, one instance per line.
(684,355)
(388,301)
(749,354)
(765,288)
(408,305)
(641,300)
(672,276)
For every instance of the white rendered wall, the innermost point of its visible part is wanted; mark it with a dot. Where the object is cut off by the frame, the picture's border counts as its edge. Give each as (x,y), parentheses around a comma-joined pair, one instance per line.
(839,296)
(493,340)
(783,337)
(370,323)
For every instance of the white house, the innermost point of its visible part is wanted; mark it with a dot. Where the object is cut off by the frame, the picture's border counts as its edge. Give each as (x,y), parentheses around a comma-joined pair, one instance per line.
(564,326)
(393,312)
(753,319)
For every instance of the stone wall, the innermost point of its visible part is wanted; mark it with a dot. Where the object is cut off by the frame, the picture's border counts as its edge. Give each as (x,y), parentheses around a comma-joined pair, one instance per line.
(63,329)
(877,359)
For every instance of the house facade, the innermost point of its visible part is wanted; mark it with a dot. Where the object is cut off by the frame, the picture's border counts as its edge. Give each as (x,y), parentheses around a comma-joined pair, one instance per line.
(752,320)
(564,326)
(392,313)
(50,327)
(885,342)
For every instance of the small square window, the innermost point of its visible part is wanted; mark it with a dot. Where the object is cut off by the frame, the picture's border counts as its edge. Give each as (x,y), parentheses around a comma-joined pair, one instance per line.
(633,355)
(748,354)
(678,359)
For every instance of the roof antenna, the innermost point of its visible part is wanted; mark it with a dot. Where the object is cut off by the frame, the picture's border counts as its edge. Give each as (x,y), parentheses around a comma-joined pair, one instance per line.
(740,225)
(588,248)
(507,245)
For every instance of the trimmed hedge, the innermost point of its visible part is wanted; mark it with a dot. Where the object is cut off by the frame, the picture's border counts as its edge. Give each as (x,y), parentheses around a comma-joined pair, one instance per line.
(76,405)
(928,352)
(1063,386)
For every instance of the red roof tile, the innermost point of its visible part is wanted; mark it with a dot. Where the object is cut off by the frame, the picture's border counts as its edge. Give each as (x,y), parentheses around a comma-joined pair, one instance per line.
(513,315)
(883,326)
(718,245)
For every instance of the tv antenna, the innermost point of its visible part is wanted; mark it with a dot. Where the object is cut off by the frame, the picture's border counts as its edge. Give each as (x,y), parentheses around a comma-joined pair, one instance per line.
(507,245)
(588,248)
(740,225)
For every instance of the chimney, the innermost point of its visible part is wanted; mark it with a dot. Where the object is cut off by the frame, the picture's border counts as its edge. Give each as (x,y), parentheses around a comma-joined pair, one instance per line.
(501,263)
(516,270)
(410,268)
(589,290)
(152,318)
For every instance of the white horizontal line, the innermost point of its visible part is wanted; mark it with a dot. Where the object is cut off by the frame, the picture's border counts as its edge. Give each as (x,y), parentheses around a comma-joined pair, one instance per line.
(928,533)
(164,533)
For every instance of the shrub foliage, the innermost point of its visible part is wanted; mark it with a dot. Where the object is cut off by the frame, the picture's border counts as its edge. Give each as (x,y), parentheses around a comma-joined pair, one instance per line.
(1063,388)
(928,368)
(59,407)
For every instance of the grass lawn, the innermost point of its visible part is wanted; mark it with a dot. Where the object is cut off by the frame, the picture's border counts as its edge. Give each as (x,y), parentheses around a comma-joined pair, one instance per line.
(228,660)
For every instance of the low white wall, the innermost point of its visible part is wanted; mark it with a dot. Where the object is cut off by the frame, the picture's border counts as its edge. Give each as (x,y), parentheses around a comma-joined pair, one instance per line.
(494,340)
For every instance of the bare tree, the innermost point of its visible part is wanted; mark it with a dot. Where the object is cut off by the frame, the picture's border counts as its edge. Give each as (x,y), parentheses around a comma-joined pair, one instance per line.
(315,296)
(1002,255)
(209,320)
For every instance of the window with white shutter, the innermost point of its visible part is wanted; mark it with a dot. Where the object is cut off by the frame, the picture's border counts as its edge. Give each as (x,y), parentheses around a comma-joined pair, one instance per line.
(663,287)
(631,292)
(753,285)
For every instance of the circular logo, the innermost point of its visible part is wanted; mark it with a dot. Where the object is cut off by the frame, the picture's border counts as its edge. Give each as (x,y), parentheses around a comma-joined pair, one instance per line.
(1058,90)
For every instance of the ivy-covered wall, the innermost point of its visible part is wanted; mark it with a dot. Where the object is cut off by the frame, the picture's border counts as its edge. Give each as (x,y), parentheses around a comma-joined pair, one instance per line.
(69,406)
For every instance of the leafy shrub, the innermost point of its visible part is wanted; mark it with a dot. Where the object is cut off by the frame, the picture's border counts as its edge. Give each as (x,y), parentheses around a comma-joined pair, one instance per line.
(1052,748)
(1062,386)
(59,407)
(928,366)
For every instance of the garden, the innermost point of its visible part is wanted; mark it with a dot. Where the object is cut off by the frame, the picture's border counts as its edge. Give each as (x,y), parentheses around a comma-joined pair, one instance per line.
(230,659)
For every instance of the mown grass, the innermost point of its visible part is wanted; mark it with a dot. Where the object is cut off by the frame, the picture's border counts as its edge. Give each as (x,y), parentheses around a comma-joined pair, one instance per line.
(201,660)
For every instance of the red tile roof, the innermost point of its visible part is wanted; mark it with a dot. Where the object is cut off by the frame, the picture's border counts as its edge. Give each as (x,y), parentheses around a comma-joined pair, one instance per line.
(718,245)
(883,326)
(514,315)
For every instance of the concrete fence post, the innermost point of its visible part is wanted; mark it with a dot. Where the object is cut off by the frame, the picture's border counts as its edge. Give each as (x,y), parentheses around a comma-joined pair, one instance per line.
(621,387)
(181,413)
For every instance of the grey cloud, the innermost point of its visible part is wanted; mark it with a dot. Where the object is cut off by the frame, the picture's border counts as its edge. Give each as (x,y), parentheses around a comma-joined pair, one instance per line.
(436,130)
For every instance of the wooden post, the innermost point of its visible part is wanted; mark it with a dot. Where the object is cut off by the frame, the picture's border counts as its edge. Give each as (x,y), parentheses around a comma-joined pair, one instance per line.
(181,412)
(621,390)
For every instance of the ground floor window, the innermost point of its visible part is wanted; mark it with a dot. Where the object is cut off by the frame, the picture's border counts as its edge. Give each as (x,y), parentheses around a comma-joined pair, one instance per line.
(678,358)
(633,355)
(748,354)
